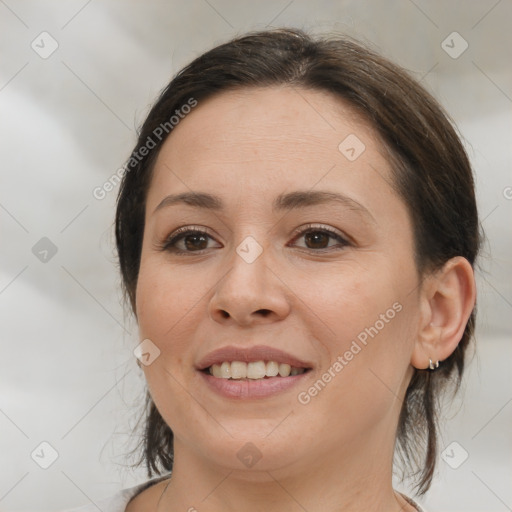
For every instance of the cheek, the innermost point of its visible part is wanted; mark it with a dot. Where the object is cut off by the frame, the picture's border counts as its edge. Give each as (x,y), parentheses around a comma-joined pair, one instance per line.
(367,317)
(366,376)
(347,300)
(166,305)
(164,297)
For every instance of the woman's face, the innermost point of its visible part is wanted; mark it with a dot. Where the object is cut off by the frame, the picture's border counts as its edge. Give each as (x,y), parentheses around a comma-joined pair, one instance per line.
(306,249)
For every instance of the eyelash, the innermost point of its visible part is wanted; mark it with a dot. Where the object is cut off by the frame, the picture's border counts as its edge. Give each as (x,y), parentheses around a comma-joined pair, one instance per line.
(179,234)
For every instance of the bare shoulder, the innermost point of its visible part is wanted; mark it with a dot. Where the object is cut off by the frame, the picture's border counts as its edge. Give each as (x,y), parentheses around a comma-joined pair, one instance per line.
(147,499)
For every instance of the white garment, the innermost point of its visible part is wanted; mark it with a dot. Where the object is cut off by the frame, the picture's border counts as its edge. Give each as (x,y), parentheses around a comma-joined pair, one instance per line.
(119,501)
(412,502)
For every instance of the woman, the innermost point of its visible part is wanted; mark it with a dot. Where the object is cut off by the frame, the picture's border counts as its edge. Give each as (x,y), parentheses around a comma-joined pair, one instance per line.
(299,256)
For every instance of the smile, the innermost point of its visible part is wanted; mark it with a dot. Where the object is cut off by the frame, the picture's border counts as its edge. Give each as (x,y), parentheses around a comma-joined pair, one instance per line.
(255,370)
(258,371)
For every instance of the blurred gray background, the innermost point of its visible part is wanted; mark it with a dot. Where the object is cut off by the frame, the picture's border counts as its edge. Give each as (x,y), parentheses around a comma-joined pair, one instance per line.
(76,79)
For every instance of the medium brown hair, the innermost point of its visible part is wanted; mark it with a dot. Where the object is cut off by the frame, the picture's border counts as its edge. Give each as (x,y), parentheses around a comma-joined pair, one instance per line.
(431,172)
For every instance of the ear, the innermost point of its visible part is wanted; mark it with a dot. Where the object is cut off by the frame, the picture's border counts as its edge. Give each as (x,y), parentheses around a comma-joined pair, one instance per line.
(447,298)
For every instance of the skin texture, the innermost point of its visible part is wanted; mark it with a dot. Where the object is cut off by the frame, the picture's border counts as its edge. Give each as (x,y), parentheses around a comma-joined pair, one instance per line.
(335,452)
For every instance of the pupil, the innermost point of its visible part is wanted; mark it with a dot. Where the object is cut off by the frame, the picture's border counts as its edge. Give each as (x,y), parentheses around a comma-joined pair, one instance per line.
(316,238)
(198,240)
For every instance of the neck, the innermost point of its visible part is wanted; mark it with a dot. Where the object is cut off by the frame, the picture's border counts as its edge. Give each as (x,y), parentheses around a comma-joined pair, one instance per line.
(335,482)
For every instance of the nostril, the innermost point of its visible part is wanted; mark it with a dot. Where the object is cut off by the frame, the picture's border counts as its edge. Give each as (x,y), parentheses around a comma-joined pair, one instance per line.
(264,312)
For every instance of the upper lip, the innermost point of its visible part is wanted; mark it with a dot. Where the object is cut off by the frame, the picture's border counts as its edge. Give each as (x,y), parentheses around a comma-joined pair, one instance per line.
(250,354)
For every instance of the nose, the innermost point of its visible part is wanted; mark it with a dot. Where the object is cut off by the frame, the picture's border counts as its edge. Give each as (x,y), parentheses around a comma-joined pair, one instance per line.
(250,293)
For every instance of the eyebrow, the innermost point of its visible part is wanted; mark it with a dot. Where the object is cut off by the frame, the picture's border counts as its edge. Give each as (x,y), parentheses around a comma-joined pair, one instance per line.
(288,201)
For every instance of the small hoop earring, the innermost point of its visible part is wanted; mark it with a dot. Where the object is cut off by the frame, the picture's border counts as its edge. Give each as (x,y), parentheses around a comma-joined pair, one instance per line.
(433,365)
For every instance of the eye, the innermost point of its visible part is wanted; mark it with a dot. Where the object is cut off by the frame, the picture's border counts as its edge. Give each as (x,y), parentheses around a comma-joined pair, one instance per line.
(195,240)
(317,238)
(186,240)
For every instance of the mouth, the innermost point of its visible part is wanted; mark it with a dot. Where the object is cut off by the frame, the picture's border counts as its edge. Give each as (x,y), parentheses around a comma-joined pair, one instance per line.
(255,372)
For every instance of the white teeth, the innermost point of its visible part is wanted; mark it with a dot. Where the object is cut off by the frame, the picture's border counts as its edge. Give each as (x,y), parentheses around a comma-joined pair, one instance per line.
(256,370)
(215,369)
(253,370)
(238,370)
(225,370)
(272,369)
(284,369)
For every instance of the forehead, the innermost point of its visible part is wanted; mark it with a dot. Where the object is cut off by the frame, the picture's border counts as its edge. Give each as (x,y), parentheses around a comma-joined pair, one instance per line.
(265,139)
(269,119)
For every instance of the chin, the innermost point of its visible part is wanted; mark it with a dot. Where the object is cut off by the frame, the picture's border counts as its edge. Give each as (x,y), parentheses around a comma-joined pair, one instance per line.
(253,451)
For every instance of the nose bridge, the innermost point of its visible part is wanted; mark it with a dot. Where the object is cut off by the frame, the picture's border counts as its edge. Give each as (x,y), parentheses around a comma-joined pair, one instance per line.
(248,267)
(249,287)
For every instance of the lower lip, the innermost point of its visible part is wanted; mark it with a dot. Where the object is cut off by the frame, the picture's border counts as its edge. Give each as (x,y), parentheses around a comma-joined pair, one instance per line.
(257,388)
